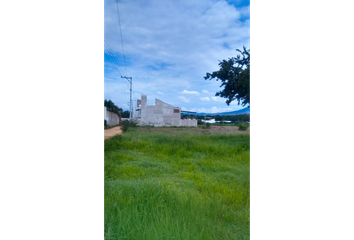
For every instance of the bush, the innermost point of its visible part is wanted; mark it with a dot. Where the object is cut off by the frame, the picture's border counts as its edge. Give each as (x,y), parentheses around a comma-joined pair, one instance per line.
(133,123)
(206,125)
(242,126)
(127,124)
(105,122)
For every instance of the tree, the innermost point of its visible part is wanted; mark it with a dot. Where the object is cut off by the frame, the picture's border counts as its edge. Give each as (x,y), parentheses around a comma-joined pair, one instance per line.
(126,114)
(112,107)
(235,77)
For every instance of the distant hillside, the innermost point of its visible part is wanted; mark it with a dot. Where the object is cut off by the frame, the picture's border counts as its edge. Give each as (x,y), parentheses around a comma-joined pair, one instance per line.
(245,110)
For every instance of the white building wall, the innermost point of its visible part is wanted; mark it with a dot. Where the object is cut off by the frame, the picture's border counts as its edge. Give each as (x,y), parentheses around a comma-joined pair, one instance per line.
(110,117)
(162,114)
(189,122)
(209,121)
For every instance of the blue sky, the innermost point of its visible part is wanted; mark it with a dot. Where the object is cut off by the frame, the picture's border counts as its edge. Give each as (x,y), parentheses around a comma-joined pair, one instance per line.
(169,46)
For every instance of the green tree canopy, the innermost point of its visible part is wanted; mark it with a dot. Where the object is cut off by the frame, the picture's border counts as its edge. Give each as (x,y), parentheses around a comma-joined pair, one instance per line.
(126,114)
(235,77)
(112,107)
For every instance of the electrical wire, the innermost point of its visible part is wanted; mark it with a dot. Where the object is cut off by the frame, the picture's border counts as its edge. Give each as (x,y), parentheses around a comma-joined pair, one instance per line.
(121,36)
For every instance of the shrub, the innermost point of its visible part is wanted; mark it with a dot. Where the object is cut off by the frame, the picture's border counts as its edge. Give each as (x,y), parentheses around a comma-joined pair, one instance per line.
(105,122)
(242,126)
(133,123)
(206,125)
(127,124)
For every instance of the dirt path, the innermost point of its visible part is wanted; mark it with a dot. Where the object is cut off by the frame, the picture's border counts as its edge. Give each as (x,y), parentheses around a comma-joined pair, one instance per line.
(108,133)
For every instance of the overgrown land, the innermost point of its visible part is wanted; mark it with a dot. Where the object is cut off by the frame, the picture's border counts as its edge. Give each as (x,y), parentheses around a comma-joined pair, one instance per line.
(177,183)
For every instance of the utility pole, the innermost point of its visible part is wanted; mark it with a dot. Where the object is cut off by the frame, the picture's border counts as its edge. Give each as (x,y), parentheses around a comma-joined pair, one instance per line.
(130,80)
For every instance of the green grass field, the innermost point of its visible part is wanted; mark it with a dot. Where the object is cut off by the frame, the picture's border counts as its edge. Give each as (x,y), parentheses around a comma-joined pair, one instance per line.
(177,183)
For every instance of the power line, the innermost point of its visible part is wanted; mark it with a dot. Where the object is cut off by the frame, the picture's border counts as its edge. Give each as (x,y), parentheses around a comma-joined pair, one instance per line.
(131,103)
(113,60)
(115,63)
(121,36)
(108,50)
(129,79)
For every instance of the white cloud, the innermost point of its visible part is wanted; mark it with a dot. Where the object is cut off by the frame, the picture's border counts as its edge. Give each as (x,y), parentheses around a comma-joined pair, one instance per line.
(213,109)
(184,99)
(190,92)
(218,99)
(205,99)
(182,40)
(245,11)
(218,110)
(209,92)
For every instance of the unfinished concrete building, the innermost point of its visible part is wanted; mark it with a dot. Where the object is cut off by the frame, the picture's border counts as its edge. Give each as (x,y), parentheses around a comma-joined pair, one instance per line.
(161,114)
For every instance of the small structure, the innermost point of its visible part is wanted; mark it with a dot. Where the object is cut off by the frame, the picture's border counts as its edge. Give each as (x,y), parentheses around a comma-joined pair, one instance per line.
(161,114)
(209,121)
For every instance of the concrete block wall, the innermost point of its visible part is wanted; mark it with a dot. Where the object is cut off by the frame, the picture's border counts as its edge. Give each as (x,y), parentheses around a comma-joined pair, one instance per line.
(111,118)
(161,114)
(189,122)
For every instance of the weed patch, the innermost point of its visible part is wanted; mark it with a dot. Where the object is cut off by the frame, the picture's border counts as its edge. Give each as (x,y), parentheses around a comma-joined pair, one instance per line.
(176,183)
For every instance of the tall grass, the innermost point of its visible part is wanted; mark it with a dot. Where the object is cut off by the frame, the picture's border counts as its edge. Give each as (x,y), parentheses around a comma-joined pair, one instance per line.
(176,185)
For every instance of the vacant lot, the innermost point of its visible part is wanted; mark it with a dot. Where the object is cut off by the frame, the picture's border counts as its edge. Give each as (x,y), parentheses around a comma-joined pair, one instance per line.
(108,133)
(199,130)
(177,183)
